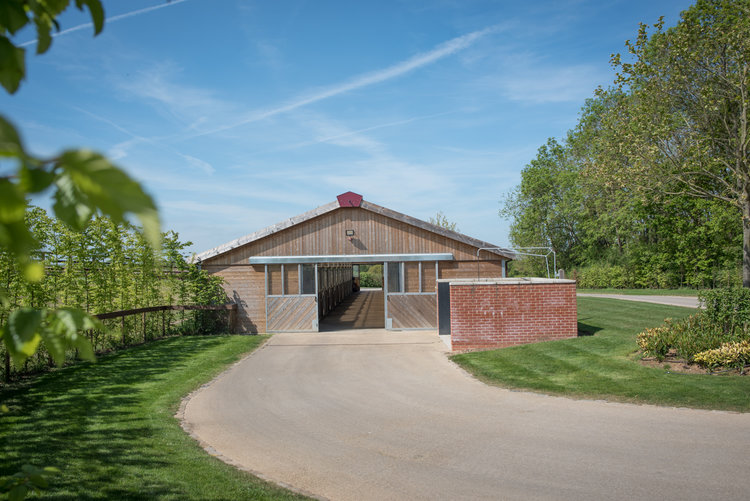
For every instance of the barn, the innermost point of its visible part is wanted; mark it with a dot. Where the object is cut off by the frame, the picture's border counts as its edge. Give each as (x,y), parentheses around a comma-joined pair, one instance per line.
(291,276)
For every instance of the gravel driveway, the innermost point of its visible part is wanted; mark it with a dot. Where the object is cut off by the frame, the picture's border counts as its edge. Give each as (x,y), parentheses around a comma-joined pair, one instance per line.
(385,415)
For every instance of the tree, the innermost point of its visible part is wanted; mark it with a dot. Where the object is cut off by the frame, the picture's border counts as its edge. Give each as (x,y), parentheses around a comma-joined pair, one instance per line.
(82,182)
(684,125)
(441,220)
(546,206)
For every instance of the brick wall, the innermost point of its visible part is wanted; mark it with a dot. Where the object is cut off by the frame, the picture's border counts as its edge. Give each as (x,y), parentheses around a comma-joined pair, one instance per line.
(501,313)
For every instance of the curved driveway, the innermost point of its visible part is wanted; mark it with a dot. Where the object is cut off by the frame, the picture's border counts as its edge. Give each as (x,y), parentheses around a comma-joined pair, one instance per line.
(385,415)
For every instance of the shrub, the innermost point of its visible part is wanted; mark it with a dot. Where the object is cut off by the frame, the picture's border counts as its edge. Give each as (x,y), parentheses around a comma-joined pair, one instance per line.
(732,355)
(656,342)
(695,334)
(601,276)
(367,279)
(729,308)
(725,321)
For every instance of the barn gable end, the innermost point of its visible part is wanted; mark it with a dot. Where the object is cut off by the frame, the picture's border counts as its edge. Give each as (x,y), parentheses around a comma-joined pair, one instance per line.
(355,231)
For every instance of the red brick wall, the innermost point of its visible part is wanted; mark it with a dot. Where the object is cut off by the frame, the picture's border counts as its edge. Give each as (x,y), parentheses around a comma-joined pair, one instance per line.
(496,315)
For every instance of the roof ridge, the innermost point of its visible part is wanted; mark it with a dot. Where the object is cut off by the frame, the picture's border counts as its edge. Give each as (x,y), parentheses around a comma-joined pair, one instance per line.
(372,207)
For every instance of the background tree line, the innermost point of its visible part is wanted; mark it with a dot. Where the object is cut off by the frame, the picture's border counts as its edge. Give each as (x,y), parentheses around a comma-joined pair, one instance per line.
(652,186)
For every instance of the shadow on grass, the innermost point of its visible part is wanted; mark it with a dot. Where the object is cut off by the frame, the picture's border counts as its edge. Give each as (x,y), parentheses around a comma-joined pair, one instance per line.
(93,422)
(587,329)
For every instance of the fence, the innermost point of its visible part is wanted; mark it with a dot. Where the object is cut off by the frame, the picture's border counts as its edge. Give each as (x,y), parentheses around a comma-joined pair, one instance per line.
(135,326)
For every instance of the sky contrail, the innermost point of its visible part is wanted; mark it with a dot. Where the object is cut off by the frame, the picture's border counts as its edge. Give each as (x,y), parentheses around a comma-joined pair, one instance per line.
(110,19)
(441,51)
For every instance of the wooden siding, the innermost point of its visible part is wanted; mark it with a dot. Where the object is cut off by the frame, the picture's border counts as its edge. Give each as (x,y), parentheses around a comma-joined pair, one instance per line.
(470,269)
(429,280)
(411,277)
(413,311)
(292,313)
(274,279)
(245,285)
(334,285)
(325,235)
(291,279)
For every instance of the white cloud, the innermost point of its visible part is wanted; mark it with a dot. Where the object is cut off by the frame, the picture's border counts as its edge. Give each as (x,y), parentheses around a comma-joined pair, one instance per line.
(439,52)
(198,164)
(549,85)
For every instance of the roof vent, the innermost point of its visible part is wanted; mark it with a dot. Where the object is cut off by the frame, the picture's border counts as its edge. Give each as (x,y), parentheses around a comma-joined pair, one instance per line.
(349,199)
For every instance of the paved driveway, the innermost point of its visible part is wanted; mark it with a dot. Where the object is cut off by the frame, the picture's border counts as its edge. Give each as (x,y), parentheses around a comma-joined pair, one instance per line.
(385,415)
(686,301)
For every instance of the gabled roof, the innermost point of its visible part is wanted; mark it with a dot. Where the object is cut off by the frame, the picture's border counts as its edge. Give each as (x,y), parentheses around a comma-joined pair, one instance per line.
(344,200)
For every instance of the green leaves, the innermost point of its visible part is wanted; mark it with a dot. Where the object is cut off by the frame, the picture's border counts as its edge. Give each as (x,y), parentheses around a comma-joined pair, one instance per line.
(16,14)
(64,331)
(29,479)
(96,11)
(21,333)
(12,65)
(12,16)
(89,181)
(60,330)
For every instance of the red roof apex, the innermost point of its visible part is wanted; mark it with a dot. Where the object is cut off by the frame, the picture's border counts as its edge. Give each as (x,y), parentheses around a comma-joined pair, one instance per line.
(349,199)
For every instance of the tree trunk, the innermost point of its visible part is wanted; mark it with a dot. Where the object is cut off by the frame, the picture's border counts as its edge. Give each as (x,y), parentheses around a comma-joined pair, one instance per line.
(746,244)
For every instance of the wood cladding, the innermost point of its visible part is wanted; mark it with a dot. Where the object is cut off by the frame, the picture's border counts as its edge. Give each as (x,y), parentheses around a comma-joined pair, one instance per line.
(413,311)
(292,313)
(245,286)
(326,235)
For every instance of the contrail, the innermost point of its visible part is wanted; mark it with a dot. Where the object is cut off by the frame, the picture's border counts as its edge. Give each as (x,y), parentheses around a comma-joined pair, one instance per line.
(359,131)
(110,20)
(439,52)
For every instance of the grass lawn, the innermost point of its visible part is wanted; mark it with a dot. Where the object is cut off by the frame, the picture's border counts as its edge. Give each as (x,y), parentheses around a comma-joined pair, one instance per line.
(109,426)
(601,364)
(642,292)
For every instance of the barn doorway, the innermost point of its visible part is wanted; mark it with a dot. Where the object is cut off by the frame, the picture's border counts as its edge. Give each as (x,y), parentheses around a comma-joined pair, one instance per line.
(365,307)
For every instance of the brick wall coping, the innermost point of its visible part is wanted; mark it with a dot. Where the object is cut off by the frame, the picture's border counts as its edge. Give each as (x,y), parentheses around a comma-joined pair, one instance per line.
(506,281)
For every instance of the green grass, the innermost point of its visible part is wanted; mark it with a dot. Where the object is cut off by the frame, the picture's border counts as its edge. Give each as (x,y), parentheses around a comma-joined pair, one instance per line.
(601,363)
(642,292)
(110,426)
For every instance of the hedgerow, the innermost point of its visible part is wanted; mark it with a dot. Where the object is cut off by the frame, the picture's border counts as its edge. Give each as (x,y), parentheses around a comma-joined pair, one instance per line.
(107,267)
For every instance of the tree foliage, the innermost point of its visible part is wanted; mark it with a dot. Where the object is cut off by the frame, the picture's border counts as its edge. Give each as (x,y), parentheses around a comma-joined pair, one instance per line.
(683,128)
(441,220)
(652,187)
(81,183)
(104,267)
(17,14)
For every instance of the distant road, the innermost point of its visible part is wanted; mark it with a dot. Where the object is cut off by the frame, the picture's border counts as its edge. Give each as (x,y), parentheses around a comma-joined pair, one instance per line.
(685,301)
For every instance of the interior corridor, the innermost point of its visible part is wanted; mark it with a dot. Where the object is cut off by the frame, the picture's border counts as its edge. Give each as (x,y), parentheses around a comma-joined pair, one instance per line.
(361,310)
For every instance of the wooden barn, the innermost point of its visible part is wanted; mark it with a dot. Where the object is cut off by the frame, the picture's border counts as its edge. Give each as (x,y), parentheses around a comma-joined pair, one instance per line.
(292,275)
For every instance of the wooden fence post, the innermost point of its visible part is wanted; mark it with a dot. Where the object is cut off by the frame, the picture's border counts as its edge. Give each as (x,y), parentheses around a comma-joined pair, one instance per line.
(143,325)
(233,320)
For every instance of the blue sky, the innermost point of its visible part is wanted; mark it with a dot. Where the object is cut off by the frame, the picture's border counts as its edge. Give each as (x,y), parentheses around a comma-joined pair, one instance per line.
(237,114)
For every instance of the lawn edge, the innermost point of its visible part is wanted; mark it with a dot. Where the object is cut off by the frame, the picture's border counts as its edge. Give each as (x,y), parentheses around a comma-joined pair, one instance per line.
(188,428)
(608,399)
